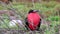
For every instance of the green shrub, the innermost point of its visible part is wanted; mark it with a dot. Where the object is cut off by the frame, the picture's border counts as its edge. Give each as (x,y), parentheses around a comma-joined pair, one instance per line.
(54,18)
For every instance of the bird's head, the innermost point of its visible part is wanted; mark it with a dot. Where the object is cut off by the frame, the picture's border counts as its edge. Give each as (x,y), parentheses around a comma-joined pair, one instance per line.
(33,11)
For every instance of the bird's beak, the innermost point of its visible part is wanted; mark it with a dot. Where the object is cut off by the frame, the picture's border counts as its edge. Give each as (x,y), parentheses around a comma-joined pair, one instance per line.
(35,11)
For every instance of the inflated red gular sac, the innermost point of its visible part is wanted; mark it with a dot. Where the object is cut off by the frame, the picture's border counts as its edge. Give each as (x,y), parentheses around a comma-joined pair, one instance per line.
(33,20)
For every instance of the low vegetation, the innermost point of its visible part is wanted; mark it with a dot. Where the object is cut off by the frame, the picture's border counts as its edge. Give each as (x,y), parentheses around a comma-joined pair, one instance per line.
(51,10)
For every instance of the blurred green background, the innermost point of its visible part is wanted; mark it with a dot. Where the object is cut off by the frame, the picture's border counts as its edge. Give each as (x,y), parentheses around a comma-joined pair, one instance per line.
(50,10)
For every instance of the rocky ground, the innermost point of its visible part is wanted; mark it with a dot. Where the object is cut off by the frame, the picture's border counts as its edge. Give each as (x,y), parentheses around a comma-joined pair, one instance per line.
(6,31)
